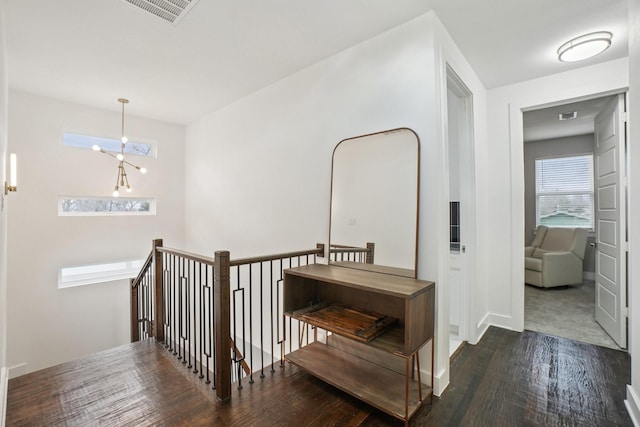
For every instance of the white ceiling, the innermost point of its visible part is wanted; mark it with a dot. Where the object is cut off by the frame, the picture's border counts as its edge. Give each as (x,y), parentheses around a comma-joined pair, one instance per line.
(544,123)
(95,51)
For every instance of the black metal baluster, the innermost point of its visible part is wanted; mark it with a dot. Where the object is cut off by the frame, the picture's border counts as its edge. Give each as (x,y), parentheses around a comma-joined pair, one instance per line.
(209,326)
(277,318)
(214,331)
(250,324)
(235,330)
(202,313)
(261,321)
(271,304)
(193,342)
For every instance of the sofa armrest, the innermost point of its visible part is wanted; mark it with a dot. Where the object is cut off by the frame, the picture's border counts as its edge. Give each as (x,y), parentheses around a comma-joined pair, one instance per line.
(561,268)
(528,250)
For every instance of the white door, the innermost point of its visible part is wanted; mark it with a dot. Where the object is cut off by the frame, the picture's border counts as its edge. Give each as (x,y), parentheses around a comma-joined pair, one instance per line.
(611,241)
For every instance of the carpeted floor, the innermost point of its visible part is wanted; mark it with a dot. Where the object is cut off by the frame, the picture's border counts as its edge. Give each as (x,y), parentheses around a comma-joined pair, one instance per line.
(565,312)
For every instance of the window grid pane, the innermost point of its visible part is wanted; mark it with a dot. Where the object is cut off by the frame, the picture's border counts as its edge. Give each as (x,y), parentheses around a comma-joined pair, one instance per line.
(564,191)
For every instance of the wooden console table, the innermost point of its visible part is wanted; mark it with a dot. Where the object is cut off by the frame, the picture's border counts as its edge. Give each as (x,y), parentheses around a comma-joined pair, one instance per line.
(378,322)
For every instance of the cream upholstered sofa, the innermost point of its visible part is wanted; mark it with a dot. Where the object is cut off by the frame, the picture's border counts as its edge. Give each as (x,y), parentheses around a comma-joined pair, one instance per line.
(555,257)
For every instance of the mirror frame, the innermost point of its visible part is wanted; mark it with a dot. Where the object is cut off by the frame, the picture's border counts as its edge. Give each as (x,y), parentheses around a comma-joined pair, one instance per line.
(375,267)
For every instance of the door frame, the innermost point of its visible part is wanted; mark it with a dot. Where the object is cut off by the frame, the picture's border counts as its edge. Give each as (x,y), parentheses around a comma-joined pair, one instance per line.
(467,195)
(516,227)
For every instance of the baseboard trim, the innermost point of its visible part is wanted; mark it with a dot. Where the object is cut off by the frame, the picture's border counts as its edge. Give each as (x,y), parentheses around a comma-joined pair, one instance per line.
(16,371)
(4,382)
(589,275)
(501,321)
(633,406)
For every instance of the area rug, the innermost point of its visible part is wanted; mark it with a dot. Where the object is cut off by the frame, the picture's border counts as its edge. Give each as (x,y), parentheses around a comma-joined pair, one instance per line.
(567,312)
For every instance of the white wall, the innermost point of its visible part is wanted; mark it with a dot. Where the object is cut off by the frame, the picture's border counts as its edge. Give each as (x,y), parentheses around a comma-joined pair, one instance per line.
(47,325)
(259,170)
(476,195)
(4,206)
(506,172)
(633,107)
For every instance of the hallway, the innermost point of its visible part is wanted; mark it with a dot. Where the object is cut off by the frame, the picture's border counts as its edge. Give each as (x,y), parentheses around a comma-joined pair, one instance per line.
(507,379)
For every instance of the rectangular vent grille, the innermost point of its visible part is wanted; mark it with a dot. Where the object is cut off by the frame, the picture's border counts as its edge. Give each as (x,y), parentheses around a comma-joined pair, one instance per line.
(168,10)
(568,116)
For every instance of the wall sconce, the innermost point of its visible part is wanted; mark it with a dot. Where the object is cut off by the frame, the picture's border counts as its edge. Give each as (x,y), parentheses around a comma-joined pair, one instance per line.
(12,185)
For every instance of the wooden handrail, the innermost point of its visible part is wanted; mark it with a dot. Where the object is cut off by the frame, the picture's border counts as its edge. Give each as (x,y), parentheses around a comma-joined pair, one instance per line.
(348,250)
(188,255)
(319,250)
(143,270)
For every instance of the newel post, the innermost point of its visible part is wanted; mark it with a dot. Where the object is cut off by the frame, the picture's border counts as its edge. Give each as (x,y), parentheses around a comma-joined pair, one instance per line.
(135,336)
(158,274)
(222,325)
(371,247)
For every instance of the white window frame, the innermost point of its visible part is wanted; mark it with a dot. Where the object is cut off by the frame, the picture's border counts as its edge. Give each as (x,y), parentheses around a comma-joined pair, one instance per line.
(151,211)
(69,277)
(562,193)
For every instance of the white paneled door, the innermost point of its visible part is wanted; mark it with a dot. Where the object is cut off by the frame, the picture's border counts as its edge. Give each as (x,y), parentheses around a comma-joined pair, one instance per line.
(611,241)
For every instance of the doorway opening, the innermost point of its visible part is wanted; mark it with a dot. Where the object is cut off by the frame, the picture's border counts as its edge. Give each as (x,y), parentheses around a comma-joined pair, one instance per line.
(461,206)
(593,311)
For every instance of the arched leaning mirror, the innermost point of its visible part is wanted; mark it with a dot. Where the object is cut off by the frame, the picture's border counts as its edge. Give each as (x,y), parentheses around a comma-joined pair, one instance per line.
(374,202)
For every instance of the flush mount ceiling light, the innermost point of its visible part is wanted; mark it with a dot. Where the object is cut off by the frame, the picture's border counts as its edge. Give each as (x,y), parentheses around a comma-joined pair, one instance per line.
(585,46)
(122,181)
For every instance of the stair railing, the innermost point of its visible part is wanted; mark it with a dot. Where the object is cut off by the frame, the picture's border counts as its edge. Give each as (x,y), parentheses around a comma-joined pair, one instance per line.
(197,305)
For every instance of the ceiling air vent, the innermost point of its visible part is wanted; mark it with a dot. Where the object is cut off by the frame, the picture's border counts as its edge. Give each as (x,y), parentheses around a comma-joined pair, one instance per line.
(168,10)
(568,116)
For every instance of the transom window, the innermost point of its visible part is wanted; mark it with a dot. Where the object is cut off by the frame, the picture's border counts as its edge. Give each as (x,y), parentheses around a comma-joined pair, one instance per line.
(102,206)
(564,191)
(108,144)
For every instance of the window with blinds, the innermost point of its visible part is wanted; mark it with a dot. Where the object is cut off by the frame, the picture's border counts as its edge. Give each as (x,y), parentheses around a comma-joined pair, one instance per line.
(564,191)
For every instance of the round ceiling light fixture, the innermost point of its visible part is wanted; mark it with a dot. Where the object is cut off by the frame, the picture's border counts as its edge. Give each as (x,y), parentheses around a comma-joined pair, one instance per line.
(585,46)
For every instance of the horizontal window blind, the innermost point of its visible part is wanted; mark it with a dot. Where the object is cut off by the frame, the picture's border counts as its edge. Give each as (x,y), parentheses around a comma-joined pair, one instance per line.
(564,191)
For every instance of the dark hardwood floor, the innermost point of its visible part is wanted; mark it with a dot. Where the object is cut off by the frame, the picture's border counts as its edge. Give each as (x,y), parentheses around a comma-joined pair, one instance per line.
(508,379)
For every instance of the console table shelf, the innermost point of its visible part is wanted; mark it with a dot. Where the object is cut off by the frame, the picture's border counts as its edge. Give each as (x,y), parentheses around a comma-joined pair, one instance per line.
(385,317)
(381,388)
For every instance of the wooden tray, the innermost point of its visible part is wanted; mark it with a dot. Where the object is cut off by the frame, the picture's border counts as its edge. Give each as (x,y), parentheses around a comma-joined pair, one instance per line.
(356,323)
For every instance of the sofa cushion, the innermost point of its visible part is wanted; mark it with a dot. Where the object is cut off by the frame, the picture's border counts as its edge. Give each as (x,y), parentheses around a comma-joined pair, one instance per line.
(534,264)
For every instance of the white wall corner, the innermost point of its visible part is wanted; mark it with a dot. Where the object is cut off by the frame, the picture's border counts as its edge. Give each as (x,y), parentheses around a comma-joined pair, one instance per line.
(481,327)
(4,382)
(632,402)
(440,381)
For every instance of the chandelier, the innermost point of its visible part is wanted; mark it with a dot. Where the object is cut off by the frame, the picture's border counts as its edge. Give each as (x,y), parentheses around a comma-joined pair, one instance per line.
(122,181)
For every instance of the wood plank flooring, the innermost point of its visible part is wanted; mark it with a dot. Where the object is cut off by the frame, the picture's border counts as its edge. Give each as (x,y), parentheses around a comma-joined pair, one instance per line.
(508,379)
